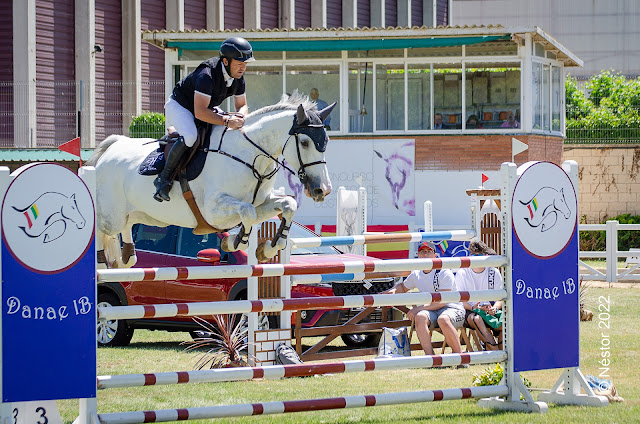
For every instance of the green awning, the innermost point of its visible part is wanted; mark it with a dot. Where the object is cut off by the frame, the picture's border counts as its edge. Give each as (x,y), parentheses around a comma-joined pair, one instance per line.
(342,44)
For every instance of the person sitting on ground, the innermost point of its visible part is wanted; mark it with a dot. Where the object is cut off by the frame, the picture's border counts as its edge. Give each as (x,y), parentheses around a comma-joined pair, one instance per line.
(470,279)
(448,316)
(511,121)
(473,122)
(195,101)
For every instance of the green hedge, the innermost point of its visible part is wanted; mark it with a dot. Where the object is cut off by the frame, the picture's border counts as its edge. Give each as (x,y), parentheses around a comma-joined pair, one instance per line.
(627,239)
(147,125)
(611,112)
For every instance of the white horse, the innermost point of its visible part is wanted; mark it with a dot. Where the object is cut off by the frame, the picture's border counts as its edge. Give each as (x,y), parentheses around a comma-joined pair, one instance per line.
(234,188)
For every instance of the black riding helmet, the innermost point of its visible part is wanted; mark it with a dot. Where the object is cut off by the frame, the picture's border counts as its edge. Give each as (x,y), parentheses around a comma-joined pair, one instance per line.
(237,48)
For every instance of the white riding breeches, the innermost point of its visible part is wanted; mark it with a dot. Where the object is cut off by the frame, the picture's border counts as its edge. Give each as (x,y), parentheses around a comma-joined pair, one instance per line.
(182,120)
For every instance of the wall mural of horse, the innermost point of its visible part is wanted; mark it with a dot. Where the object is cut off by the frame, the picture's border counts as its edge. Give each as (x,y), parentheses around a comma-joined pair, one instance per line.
(227,191)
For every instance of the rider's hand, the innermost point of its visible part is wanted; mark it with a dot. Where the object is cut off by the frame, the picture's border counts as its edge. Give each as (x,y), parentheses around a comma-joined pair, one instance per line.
(235,122)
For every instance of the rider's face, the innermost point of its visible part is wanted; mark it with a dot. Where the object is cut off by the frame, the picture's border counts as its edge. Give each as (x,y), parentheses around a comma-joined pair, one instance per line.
(237,68)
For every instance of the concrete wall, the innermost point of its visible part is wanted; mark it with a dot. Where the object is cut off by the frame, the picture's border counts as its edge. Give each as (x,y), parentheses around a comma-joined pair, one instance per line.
(609,183)
(603,33)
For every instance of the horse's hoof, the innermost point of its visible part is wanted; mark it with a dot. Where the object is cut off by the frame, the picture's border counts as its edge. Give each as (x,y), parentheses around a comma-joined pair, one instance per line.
(131,262)
(226,245)
(262,252)
(260,256)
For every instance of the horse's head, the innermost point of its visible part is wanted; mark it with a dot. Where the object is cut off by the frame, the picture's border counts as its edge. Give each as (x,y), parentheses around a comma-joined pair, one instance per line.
(305,151)
(560,203)
(70,211)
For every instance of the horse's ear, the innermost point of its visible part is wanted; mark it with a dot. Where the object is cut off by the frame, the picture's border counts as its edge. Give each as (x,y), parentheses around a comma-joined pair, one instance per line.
(301,116)
(324,113)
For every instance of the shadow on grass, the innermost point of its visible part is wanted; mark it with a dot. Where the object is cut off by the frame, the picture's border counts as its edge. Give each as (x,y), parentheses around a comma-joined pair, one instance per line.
(476,415)
(154,346)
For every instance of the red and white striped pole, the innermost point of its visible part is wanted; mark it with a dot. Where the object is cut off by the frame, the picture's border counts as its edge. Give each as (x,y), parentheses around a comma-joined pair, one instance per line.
(302,370)
(280,407)
(309,303)
(277,270)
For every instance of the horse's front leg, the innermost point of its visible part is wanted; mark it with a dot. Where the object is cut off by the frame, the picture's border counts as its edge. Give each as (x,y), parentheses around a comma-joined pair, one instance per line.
(240,241)
(226,206)
(285,205)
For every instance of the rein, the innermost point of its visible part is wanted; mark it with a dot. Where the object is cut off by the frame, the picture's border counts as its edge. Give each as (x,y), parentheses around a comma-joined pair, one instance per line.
(302,175)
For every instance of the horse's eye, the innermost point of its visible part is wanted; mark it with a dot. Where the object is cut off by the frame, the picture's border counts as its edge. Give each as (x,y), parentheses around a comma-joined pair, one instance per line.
(305,143)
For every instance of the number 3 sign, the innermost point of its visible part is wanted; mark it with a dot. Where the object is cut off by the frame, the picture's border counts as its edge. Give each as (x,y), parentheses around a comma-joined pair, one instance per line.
(42,412)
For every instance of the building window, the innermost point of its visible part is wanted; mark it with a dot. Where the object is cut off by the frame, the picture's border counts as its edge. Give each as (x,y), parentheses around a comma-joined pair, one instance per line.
(556,98)
(390,97)
(546,98)
(395,90)
(419,96)
(325,79)
(360,97)
(447,95)
(492,94)
(537,102)
(264,85)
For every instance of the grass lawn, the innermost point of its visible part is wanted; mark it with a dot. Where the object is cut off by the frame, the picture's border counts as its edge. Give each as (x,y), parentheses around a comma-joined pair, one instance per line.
(160,351)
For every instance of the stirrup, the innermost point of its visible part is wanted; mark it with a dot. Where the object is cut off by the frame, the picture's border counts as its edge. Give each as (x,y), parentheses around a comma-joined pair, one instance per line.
(162,192)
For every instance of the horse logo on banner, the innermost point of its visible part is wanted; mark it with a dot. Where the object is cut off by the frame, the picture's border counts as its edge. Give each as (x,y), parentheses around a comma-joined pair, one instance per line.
(47,216)
(544,201)
(544,206)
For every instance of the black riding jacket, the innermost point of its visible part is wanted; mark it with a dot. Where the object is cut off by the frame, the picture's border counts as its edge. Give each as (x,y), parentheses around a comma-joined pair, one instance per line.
(208,79)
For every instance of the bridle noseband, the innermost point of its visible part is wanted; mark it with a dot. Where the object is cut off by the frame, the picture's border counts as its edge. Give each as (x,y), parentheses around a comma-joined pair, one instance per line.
(314,133)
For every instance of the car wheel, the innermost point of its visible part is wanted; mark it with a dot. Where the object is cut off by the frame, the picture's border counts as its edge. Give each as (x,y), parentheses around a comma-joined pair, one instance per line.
(112,332)
(361,340)
(200,334)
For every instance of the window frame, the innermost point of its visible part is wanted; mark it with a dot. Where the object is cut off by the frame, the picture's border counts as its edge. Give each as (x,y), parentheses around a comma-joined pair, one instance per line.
(343,63)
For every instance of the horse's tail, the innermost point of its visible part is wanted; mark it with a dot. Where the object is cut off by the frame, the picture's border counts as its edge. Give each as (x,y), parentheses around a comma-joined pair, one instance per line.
(102,147)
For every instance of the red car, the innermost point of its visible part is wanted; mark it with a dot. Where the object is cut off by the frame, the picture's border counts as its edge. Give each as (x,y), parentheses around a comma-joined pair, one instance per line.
(177,246)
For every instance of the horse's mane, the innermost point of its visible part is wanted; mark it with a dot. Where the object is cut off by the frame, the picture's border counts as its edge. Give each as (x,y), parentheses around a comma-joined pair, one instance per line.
(287,102)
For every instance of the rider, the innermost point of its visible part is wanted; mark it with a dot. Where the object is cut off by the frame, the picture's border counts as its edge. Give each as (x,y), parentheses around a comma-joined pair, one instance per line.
(198,95)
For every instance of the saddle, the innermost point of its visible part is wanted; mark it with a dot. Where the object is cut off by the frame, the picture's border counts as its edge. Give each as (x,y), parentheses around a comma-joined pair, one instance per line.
(191,164)
(187,170)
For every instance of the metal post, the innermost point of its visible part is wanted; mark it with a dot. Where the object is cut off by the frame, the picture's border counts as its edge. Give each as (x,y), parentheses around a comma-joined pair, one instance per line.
(88,412)
(428,216)
(612,251)
(252,294)
(362,215)
(5,408)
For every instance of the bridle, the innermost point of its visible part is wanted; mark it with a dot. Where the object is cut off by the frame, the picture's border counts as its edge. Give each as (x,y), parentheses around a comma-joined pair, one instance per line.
(307,128)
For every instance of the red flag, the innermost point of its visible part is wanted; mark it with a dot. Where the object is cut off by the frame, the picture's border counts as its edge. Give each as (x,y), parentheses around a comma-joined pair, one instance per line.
(73,147)
(484,178)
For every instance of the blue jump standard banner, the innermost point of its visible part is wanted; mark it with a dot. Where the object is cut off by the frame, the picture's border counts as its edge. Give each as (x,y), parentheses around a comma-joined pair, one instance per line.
(545,269)
(48,288)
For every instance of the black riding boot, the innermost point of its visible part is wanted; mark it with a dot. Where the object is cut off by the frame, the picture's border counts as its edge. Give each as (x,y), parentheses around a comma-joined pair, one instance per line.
(164,181)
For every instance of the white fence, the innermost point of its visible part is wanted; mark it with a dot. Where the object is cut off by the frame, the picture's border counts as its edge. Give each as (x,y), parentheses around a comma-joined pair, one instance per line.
(611,254)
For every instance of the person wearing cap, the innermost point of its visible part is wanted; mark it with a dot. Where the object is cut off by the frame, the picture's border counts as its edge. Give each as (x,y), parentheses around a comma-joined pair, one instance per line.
(448,317)
(469,279)
(195,100)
